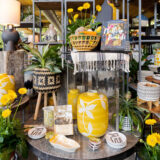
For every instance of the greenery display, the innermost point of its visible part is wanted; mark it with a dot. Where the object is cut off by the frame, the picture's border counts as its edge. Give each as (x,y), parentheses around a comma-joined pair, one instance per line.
(50,58)
(12,137)
(151,146)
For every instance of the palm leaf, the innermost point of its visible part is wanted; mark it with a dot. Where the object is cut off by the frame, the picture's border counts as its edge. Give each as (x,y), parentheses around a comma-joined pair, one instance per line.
(32,67)
(33,51)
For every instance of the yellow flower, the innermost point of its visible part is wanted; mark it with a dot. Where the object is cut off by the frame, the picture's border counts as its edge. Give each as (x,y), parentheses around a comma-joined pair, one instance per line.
(151,140)
(157,135)
(12,94)
(22,91)
(80,8)
(70,10)
(93,16)
(98,8)
(86,6)
(70,22)
(98,30)
(150,121)
(5,99)
(75,17)
(6,113)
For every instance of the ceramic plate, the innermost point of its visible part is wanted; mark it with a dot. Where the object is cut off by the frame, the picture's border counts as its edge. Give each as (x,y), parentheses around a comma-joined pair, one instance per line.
(37,132)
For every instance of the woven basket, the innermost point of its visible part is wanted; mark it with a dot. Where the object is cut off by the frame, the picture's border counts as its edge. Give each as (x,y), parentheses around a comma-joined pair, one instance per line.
(46,81)
(147,93)
(84,42)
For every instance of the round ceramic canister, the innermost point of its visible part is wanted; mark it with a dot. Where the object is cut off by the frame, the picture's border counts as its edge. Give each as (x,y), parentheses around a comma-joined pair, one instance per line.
(49,117)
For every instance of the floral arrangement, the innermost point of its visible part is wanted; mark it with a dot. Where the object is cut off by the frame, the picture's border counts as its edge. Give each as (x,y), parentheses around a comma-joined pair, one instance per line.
(12,137)
(83,25)
(151,150)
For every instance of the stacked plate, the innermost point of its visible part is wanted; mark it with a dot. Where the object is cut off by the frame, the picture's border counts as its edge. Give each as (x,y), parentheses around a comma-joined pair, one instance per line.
(116,140)
(94,143)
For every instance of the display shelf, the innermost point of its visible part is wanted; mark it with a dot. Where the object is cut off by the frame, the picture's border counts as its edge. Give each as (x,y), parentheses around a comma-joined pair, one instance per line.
(42,149)
(146,39)
(133,86)
(56,4)
(27,25)
(46,43)
(48,4)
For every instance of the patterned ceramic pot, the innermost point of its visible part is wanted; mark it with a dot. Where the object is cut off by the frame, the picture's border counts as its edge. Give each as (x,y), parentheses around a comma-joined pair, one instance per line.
(46,81)
(92,114)
(7,82)
(126,124)
(72,100)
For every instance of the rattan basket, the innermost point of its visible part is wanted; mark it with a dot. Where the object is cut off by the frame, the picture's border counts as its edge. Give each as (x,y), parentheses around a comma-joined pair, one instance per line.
(84,42)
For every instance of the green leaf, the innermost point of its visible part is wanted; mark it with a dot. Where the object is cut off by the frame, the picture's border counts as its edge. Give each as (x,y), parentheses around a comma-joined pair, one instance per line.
(22,149)
(5,154)
(56,70)
(1,139)
(33,51)
(32,67)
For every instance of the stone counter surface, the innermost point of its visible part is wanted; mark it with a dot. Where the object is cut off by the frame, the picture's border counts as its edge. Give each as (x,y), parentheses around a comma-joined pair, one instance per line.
(42,149)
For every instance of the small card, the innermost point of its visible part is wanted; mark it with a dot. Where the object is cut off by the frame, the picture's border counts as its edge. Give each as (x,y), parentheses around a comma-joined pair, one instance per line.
(63,123)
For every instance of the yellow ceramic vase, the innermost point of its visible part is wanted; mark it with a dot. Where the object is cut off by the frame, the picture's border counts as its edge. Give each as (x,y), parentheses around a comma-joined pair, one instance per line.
(7,82)
(92,114)
(72,100)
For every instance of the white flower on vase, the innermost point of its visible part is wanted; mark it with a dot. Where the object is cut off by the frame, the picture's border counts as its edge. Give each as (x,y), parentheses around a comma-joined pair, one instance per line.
(103,101)
(86,109)
(90,129)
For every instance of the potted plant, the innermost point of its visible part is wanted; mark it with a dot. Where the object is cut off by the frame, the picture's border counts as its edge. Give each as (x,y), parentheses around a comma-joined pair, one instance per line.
(131,116)
(151,146)
(12,137)
(46,68)
(83,33)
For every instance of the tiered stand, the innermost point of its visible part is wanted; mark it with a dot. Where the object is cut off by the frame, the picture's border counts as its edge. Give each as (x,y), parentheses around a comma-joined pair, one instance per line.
(41,148)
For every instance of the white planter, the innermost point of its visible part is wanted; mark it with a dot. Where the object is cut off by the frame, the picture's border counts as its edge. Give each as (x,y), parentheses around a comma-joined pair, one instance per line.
(126,124)
(144,74)
(148,93)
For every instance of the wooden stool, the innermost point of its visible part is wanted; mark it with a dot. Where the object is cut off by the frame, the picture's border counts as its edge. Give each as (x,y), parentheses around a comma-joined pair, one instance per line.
(45,102)
(150,104)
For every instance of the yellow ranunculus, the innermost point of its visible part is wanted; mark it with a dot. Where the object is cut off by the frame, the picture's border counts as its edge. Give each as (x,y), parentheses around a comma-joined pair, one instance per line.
(22,91)
(157,135)
(98,30)
(70,22)
(75,17)
(80,8)
(6,113)
(12,94)
(86,6)
(151,140)
(70,10)
(150,121)
(5,99)
(98,8)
